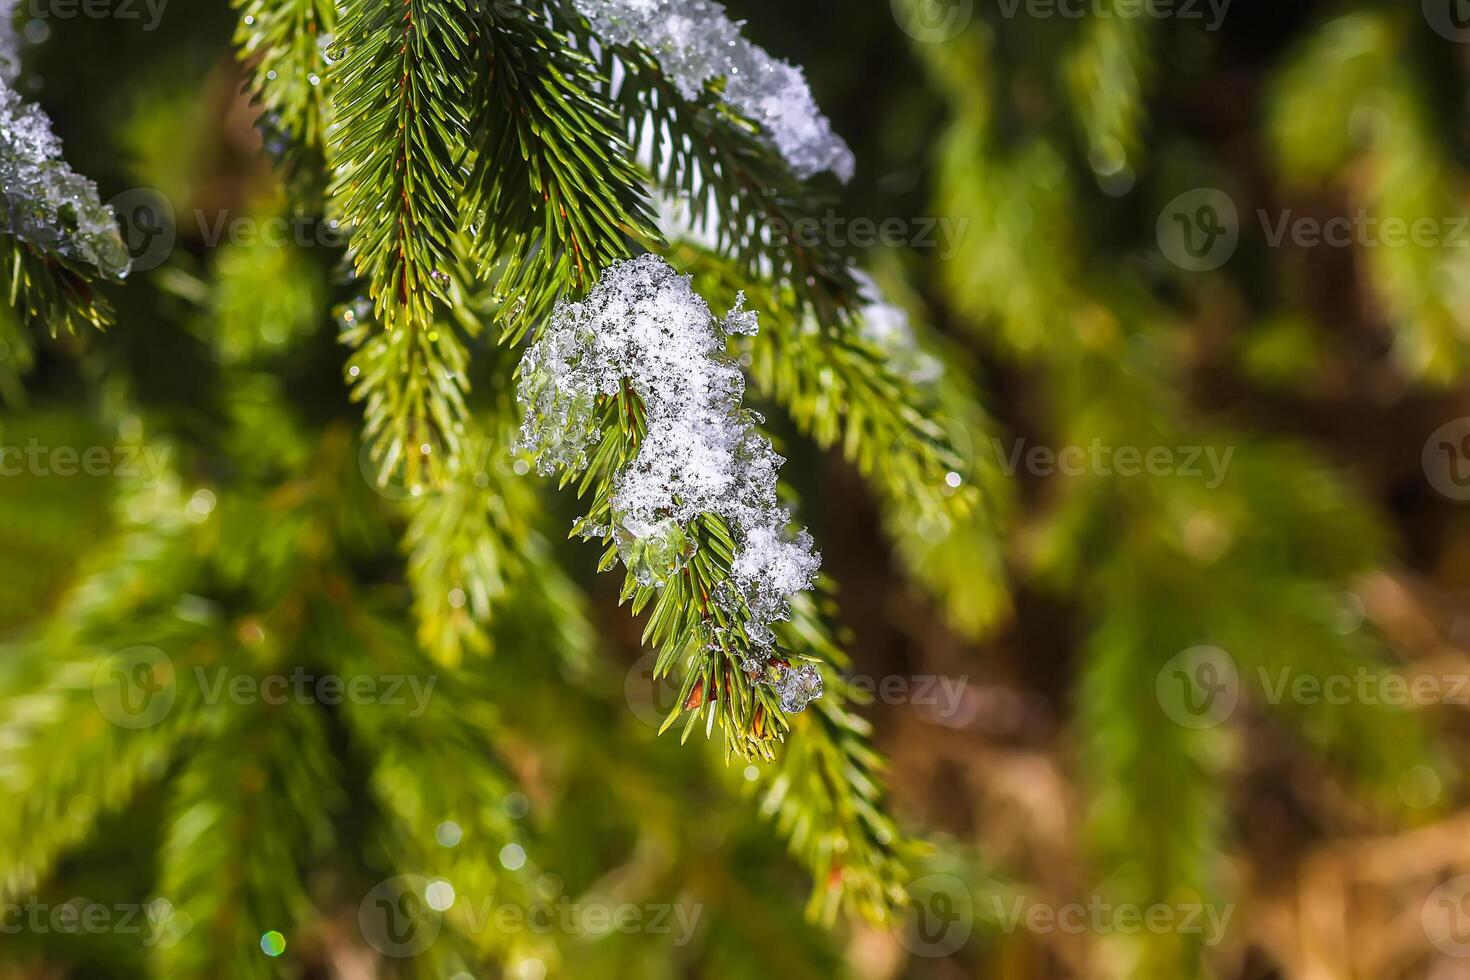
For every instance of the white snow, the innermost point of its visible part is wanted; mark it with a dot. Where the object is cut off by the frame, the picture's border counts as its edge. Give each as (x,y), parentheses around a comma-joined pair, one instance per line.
(696,43)
(643,326)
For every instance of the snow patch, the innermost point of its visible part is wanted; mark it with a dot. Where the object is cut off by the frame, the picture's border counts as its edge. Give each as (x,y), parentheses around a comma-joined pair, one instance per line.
(696,43)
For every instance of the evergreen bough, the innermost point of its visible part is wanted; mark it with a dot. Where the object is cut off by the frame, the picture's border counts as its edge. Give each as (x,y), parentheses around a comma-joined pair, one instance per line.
(490,161)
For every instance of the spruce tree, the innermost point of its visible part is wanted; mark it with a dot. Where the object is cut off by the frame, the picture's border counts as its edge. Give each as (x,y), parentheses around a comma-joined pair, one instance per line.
(430,361)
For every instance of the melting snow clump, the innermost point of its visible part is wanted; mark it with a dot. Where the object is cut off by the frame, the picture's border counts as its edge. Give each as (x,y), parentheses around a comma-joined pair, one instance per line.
(45,203)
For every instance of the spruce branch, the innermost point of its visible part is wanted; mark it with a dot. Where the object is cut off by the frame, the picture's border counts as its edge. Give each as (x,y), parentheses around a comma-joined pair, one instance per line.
(47,291)
(826,796)
(1108,77)
(401,105)
(1362,66)
(262,781)
(469,539)
(811,358)
(56,237)
(440,766)
(413,384)
(554,193)
(702,154)
(698,642)
(944,507)
(288,46)
(64,764)
(630,393)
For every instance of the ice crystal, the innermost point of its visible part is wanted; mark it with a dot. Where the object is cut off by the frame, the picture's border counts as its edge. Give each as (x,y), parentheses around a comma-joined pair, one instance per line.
(696,43)
(45,202)
(652,552)
(799,687)
(644,327)
(740,320)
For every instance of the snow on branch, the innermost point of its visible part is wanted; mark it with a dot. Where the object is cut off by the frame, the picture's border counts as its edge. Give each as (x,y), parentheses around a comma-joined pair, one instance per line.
(696,43)
(644,327)
(44,202)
